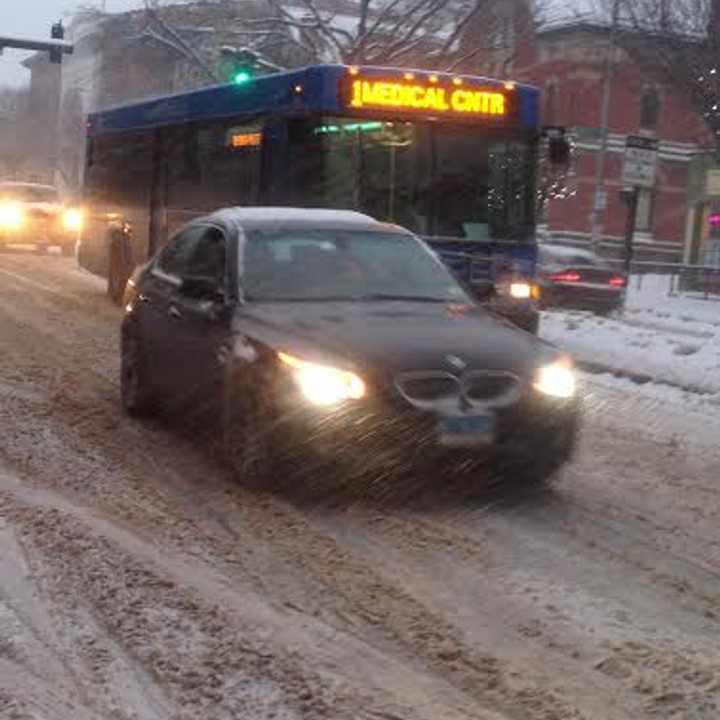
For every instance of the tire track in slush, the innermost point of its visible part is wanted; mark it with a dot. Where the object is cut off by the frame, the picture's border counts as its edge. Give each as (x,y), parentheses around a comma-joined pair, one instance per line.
(402,614)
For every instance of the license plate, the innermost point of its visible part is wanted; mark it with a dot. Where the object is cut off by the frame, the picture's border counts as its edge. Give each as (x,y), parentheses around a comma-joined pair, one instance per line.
(464,430)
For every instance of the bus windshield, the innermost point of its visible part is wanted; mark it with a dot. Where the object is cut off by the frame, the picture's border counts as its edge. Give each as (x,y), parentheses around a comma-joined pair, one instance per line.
(434,178)
(310,264)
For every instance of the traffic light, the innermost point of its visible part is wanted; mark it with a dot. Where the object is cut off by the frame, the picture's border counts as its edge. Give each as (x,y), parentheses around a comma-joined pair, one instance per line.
(241,75)
(57,32)
(241,65)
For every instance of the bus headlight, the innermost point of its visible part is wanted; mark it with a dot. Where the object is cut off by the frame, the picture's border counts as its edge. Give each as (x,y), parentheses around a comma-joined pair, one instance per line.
(321,384)
(72,220)
(556,379)
(518,289)
(521,290)
(11,216)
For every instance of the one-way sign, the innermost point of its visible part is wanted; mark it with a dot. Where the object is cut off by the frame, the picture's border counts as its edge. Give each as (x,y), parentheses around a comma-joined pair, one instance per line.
(640,161)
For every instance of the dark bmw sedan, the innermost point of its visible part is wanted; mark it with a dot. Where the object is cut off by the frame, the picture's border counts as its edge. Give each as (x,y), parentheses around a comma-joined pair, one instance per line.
(326,336)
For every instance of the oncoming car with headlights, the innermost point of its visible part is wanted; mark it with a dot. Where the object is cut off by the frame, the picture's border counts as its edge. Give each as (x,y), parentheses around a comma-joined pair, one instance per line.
(331,336)
(35,214)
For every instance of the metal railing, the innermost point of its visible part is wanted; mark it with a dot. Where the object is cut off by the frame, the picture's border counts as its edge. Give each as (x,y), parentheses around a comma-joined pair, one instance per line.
(703,280)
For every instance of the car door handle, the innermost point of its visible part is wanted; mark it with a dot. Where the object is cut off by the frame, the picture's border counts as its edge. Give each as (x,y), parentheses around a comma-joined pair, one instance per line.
(173,312)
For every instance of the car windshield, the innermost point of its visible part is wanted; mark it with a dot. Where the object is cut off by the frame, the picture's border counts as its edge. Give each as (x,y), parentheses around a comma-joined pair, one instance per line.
(346,265)
(28,193)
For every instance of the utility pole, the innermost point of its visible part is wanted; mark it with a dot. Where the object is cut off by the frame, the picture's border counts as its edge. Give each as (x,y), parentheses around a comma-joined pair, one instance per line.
(600,201)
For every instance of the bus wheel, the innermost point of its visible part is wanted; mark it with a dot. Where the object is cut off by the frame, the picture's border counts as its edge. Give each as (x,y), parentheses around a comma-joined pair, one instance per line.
(119,269)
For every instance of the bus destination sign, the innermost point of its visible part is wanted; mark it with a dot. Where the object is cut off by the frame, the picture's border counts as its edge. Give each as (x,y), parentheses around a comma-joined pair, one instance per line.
(421,95)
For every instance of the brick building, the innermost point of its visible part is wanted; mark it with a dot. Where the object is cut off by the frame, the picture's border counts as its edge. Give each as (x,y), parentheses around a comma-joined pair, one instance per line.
(567,61)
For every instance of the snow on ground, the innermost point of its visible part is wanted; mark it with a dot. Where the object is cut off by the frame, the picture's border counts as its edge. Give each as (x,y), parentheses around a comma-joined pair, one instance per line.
(662,337)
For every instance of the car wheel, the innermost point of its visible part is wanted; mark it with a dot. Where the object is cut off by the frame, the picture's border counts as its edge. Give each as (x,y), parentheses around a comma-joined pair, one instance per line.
(542,463)
(247,439)
(135,389)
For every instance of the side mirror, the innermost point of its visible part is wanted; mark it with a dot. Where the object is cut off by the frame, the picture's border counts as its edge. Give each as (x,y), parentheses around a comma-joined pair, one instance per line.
(202,288)
(559,149)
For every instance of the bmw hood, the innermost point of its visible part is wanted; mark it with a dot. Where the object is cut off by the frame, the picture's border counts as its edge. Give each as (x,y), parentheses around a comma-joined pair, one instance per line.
(393,337)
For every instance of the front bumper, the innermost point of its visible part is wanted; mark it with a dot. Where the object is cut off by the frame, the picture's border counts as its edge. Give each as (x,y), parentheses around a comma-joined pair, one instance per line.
(38,232)
(581,298)
(386,436)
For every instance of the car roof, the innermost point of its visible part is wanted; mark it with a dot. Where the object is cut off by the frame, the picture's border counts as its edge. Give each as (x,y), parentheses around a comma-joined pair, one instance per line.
(256,218)
(567,251)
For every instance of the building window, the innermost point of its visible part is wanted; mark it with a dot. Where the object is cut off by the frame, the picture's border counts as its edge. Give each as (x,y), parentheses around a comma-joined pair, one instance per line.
(649,109)
(643,214)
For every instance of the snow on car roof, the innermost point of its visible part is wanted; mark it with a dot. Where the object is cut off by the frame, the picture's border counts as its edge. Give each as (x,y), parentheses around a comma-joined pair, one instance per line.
(273,216)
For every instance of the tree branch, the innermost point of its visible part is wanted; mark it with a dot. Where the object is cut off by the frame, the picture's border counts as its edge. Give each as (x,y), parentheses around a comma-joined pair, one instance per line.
(189,51)
(460,27)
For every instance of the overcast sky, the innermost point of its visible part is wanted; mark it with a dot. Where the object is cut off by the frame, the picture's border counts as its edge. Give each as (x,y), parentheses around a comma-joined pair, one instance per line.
(32,19)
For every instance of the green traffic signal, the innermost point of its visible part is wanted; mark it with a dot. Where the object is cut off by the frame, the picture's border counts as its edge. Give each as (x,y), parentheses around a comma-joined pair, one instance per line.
(240,77)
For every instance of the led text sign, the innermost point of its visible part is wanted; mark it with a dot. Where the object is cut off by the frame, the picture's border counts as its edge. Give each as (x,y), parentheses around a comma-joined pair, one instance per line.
(243,140)
(434,98)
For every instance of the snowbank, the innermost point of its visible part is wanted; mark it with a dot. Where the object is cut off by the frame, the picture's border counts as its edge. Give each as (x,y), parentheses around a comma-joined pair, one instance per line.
(665,338)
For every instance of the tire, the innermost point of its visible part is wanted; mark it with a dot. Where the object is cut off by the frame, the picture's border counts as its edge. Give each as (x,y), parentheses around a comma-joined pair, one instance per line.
(542,463)
(248,442)
(119,269)
(138,400)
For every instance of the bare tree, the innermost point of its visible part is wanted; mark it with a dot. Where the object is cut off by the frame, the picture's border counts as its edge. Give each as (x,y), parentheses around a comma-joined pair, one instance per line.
(446,34)
(676,43)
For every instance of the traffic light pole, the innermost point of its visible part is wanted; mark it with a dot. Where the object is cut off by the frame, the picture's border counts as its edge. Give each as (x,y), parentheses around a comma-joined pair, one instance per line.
(52,47)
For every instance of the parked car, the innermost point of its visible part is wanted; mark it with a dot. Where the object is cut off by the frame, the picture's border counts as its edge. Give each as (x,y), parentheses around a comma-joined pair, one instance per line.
(331,336)
(571,277)
(35,214)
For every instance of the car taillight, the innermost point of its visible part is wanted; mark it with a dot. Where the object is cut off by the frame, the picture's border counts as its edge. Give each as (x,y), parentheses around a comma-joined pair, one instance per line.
(567,276)
(617,281)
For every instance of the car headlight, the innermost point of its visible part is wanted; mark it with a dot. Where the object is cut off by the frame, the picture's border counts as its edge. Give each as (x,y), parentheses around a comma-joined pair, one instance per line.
(321,384)
(521,290)
(11,216)
(72,220)
(556,379)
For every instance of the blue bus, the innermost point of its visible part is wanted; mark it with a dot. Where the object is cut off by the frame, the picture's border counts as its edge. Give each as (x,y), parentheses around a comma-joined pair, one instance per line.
(451,157)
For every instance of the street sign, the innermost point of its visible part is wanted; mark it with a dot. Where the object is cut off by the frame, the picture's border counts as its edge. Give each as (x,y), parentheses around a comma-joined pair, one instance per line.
(640,161)
(712,183)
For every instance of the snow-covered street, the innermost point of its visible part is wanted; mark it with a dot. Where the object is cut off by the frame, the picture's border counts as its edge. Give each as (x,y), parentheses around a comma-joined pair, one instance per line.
(138,580)
(670,339)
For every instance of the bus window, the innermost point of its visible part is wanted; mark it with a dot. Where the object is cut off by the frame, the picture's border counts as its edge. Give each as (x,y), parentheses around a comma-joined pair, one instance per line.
(213,165)
(120,174)
(433,178)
